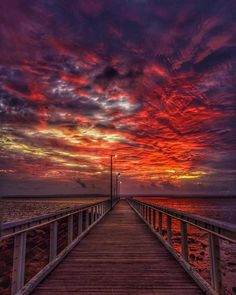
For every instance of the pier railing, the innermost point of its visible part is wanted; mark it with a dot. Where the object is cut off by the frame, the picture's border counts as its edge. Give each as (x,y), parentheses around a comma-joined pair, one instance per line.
(216,230)
(75,224)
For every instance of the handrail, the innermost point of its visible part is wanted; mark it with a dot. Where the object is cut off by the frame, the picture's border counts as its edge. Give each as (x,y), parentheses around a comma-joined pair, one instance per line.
(14,226)
(215,229)
(223,230)
(86,217)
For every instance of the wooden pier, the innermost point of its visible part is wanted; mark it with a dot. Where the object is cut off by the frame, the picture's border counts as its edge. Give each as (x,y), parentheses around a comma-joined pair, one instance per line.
(92,249)
(119,256)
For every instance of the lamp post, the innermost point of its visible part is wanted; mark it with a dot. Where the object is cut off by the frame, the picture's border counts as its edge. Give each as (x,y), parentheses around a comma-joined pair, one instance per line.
(111,178)
(117,185)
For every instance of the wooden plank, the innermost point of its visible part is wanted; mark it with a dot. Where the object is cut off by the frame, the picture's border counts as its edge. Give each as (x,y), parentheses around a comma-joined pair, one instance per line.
(119,256)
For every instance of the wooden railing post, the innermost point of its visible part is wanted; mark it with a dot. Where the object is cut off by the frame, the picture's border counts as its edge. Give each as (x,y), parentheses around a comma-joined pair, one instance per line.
(80,223)
(160,222)
(53,240)
(150,215)
(99,210)
(154,218)
(87,218)
(95,213)
(96,210)
(214,250)
(18,273)
(70,229)
(90,212)
(169,231)
(184,240)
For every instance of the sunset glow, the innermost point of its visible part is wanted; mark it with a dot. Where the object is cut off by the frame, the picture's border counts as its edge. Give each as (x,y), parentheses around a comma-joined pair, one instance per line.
(150,81)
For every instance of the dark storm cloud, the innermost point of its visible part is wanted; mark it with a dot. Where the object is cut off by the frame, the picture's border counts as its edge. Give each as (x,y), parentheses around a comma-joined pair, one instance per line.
(221,56)
(138,74)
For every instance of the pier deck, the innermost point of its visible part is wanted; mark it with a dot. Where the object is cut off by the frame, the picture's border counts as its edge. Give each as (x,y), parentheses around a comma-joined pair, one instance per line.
(120,255)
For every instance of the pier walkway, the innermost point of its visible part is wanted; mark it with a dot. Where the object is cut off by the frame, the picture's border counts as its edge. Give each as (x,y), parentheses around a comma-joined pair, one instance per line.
(120,255)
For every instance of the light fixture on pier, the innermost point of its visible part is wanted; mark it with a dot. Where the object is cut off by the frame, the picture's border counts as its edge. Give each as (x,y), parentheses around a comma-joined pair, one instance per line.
(111,176)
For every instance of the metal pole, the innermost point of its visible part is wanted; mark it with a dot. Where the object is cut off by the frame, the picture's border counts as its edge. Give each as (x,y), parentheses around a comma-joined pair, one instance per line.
(1,214)
(118,190)
(117,185)
(111,182)
(116,193)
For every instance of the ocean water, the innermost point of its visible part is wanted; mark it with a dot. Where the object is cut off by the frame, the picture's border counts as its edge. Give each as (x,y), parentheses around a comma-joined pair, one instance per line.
(14,209)
(219,208)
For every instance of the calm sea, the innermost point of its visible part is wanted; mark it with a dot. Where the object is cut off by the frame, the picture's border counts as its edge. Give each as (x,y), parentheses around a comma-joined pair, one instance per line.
(12,209)
(220,208)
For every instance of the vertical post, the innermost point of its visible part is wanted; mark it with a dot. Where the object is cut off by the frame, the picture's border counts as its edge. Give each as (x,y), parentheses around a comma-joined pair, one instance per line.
(154,218)
(116,190)
(150,215)
(184,240)
(160,222)
(70,229)
(1,219)
(146,213)
(169,232)
(111,178)
(18,274)
(214,249)
(53,241)
(91,214)
(96,209)
(80,223)
(86,218)
(95,213)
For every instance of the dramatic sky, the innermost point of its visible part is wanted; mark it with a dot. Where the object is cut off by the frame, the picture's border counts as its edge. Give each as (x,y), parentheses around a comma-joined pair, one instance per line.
(153,81)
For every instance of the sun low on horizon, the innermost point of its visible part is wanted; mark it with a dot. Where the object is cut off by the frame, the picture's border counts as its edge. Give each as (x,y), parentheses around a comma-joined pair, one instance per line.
(151,81)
